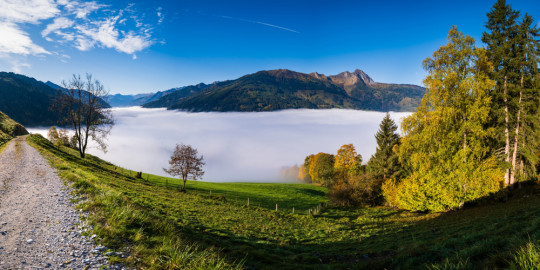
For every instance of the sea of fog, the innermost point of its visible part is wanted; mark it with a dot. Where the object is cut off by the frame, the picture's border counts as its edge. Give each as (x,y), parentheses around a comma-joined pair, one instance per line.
(237,146)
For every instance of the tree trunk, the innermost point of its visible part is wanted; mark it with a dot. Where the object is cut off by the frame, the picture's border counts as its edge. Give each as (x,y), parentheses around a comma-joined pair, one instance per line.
(184,185)
(516,138)
(506,133)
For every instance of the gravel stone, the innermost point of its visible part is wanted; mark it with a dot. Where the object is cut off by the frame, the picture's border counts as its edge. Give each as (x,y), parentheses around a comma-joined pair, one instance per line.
(39,227)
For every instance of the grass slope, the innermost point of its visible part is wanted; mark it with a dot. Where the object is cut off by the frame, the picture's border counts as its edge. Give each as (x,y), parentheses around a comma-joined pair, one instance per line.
(9,129)
(166,229)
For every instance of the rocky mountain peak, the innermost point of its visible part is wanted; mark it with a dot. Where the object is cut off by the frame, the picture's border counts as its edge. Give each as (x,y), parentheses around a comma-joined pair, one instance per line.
(357,77)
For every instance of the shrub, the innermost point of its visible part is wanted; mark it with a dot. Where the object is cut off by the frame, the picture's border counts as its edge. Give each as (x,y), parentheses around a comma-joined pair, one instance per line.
(356,190)
(389,191)
(448,187)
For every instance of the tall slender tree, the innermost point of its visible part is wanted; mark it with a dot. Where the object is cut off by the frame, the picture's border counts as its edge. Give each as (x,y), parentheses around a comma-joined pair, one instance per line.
(384,163)
(527,121)
(513,49)
(501,27)
(445,142)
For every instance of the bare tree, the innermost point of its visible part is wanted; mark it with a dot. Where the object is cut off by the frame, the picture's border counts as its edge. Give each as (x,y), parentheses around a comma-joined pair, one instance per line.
(185,163)
(82,103)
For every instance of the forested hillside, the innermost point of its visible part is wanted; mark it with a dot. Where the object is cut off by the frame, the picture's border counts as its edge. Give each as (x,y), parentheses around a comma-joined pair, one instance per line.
(27,100)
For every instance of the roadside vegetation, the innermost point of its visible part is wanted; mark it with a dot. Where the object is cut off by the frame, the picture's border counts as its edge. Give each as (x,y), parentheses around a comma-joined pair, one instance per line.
(9,129)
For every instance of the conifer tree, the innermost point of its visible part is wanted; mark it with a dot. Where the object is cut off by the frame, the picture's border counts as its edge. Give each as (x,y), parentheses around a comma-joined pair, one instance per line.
(384,163)
(502,26)
(527,126)
(513,49)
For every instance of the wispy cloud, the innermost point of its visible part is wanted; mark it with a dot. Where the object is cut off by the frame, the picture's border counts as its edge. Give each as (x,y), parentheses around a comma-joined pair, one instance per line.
(258,22)
(58,23)
(106,34)
(160,15)
(81,24)
(15,41)
(80,9)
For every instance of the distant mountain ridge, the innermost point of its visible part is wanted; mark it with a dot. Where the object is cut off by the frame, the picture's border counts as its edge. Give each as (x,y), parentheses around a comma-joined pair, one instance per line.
(119,100)
(285,89)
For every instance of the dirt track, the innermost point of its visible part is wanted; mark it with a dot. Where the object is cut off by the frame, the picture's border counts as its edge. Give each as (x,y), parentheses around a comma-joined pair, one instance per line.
(39,227)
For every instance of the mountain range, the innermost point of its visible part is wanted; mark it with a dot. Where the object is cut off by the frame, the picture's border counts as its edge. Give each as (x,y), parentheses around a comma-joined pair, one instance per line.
(285,89)
(28,101)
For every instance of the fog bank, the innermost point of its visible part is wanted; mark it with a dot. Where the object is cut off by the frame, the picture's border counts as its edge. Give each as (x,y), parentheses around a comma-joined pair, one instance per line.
(237,146)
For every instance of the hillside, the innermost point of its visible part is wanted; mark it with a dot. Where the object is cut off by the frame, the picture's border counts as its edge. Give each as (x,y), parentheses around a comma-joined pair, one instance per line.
(29,101)
(9,128)
(284,89)
(212,227)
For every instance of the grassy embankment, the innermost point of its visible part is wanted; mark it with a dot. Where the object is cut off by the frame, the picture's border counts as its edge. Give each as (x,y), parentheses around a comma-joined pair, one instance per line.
(167,229)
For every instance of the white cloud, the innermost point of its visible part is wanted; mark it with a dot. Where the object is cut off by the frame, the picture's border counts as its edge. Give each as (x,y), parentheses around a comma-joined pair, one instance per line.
(83,44)
(160,15)
(14,12)
(16,41)
(107,35)
(80,10)
(81,24)
(58,23)
(27,11)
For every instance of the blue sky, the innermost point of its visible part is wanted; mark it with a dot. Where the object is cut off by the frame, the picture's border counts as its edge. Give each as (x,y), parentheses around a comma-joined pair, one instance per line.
(147,46)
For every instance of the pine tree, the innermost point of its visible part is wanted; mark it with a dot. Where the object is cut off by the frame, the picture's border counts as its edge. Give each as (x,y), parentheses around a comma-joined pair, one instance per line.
(446,142)
(384,163)
(502,28)
(513,49)
(527,127)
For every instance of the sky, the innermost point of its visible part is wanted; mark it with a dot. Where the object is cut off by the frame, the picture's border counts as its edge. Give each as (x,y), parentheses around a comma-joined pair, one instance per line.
(153,45)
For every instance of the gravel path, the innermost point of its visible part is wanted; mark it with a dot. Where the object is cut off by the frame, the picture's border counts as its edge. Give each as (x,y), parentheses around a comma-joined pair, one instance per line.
(39,227)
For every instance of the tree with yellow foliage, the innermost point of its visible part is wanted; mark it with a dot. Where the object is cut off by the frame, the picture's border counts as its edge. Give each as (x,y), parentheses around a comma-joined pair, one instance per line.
(445,146)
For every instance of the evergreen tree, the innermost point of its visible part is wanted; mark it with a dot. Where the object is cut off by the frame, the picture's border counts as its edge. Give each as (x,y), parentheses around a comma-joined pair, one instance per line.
(501,29)
(513,50)
(526,144)
(384,163)
(445,142)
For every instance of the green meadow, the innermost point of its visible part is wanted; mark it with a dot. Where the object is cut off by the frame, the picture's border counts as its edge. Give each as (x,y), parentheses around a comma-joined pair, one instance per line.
(211,226)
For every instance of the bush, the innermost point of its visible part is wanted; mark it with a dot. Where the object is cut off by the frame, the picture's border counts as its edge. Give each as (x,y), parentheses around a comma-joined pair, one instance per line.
(389,191)
(356,190)
(449,187)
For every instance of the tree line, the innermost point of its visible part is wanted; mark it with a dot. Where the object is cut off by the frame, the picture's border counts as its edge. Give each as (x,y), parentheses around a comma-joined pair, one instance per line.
(475,133)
